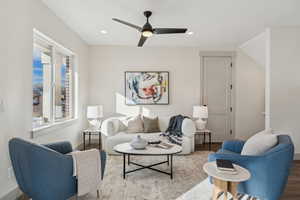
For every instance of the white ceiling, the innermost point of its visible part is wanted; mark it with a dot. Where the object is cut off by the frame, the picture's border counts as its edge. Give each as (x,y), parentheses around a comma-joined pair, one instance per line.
(217,24)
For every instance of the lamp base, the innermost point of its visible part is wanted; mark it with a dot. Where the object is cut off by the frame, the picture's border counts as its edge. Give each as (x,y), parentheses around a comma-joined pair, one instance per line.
(200,124)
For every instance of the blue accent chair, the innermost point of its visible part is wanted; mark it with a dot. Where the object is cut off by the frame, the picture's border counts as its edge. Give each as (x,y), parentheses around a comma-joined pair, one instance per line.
(44,172)
(269,171)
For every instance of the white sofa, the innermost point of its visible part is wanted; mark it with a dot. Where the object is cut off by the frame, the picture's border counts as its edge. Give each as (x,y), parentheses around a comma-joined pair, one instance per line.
(112,134)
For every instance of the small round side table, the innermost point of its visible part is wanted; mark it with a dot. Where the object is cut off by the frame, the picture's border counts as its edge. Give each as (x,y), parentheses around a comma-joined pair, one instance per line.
(226,182)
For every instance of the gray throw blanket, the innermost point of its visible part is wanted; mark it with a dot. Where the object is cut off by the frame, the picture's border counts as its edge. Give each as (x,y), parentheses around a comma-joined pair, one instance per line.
(173,132)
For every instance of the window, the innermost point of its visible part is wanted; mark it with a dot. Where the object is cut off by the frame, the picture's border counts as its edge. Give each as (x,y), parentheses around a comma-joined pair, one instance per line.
(53,82)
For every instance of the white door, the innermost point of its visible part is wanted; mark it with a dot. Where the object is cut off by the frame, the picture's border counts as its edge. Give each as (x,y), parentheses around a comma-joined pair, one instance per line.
(216,90)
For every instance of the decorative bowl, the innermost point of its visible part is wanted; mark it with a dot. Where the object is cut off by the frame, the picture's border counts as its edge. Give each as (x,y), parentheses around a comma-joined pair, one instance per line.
(139,143)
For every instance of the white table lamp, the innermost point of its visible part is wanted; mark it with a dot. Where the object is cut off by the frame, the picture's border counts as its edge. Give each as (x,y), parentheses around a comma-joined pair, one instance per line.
(94,113)
(201,114)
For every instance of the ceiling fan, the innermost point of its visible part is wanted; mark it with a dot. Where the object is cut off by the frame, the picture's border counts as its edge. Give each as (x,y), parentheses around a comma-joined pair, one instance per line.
(148,31)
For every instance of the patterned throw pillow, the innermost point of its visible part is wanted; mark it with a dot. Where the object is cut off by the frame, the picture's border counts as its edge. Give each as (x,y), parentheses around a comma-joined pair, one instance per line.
(151,125)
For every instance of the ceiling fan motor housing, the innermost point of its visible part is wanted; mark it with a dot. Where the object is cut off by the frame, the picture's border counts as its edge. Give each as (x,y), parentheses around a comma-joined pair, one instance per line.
(147,13)
(147,26)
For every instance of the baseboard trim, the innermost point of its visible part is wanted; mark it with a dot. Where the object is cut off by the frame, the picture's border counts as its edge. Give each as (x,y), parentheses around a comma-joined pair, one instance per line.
(15,194)
(297,156)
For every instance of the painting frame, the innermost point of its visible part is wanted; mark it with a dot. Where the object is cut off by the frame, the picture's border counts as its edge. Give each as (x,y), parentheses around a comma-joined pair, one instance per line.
(128,101)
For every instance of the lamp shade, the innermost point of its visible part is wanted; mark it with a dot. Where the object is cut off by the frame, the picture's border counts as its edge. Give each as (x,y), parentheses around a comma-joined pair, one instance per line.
(200,112)
(94,112)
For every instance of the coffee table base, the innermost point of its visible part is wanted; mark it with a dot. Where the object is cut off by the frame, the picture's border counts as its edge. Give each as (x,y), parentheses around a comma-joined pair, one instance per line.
(224,186)
(169,161)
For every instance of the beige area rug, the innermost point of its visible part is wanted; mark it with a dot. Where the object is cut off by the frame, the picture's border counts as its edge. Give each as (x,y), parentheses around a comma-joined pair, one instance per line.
(189,182)
(150,185)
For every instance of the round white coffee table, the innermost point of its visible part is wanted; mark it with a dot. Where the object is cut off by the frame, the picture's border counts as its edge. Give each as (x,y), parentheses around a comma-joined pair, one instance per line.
(225,182)
(126,149)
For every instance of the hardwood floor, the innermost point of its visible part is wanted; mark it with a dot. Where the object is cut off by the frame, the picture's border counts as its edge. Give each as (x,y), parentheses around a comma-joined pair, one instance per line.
(292,190)
(202,147)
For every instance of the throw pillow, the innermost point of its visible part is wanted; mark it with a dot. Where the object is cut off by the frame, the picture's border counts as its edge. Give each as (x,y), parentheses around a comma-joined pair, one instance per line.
(151,125)
(259,143)
(135,125)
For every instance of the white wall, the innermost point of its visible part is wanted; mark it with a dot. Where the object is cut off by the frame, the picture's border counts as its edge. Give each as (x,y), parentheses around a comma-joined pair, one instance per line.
(17,20)
(256,48)
(285,82)
(106,79)
(108,64)
(250,95)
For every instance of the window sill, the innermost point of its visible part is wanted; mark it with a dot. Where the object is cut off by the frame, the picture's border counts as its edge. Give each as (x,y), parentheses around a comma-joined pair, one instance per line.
(35,132)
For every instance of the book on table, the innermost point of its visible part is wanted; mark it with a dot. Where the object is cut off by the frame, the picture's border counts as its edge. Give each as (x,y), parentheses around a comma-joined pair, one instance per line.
(164,145)
(225,166)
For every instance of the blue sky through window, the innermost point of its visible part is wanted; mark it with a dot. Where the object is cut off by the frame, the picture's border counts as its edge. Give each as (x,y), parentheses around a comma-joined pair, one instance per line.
(63,74)
(37,67)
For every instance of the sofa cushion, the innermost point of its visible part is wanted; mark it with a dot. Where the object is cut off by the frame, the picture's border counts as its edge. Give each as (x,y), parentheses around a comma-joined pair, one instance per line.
(151,125)
(134,124)
(259,143)
(123,137)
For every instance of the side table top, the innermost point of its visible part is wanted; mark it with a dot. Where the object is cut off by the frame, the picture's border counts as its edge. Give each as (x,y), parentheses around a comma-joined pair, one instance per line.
(92,131)
(202,131)
(242,174)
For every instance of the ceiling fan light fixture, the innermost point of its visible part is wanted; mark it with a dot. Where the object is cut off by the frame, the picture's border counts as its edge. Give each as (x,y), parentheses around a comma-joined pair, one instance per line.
(147,33)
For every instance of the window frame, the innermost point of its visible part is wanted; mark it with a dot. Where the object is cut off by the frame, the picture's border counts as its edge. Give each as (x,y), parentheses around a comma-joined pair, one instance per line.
(58,48)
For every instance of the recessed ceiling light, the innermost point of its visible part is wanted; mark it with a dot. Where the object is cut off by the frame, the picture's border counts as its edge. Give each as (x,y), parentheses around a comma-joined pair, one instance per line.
(190,33)
(103,31)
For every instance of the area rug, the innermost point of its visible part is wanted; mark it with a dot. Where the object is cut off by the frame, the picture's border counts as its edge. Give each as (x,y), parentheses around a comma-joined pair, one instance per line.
(150,185)
(189,183)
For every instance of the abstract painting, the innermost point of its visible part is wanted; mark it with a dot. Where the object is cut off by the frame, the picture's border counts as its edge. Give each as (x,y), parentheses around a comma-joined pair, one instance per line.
(147,87)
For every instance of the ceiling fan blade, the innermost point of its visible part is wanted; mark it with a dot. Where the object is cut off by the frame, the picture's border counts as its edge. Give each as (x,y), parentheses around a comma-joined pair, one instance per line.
(169,30)
(128,24)
(142,41)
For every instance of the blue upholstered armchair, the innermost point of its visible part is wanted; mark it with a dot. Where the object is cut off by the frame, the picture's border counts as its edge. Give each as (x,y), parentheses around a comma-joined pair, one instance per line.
(44,172)
(269,171)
